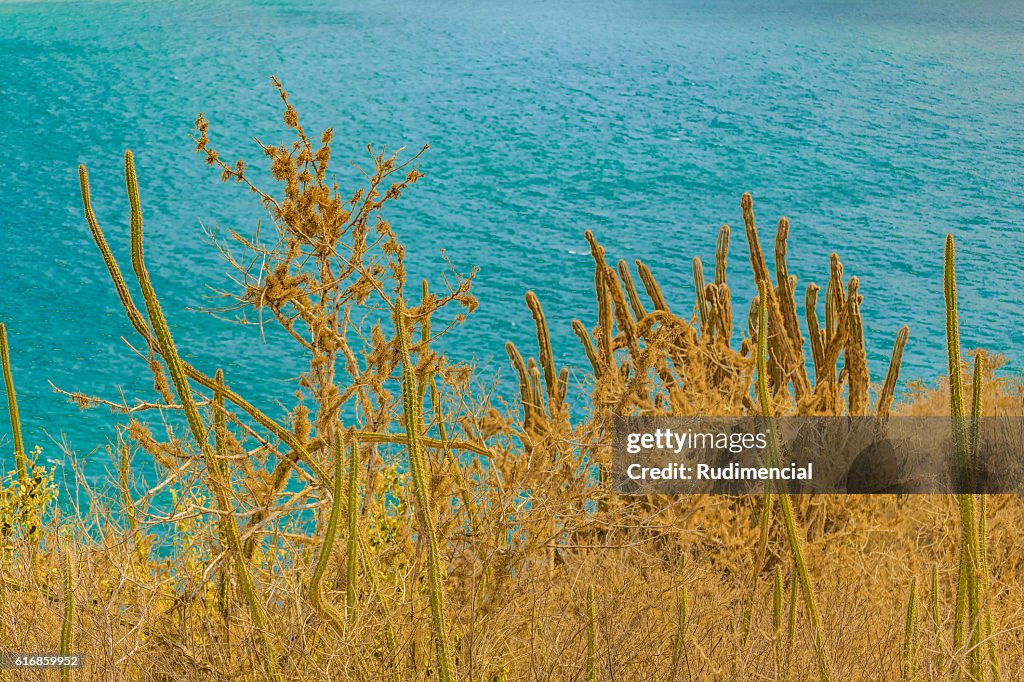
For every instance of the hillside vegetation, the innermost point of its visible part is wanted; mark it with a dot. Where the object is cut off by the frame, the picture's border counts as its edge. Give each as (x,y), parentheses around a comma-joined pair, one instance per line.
(402,523)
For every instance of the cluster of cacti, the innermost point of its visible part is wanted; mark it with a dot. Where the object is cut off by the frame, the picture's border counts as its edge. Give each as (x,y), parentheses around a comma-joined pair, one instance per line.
(472,527)
(630,341)
(542,389)
(656,361)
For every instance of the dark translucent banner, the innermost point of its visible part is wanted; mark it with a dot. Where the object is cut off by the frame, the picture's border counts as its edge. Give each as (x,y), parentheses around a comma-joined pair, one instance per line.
(851,455)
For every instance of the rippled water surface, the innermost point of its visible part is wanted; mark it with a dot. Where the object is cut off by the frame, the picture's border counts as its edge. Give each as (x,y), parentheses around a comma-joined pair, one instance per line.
(876,127)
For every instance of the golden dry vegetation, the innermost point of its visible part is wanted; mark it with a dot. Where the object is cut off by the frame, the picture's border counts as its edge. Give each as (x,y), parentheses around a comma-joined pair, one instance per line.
(402,523)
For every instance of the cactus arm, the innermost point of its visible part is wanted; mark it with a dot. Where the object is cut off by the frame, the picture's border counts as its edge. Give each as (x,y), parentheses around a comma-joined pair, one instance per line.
(20,459)
(184,391)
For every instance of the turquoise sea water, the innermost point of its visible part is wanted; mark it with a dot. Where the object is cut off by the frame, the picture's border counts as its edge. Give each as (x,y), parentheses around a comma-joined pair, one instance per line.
(876,127)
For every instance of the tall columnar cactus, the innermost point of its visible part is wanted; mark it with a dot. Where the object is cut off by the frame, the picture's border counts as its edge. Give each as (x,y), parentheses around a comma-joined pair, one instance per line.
(786,291)
(138,321)
(418,469)
(168,351)
(722,256)
(835,298)
(536,386)
(721,282)
(530,410)
(969,577)
(547,357)
(814,331)
(699,287)
(634,297)
(352,546)
(651,286)
(936,618)
(910,636)
(604,303)
(857,376)
(20,459)
(974,433)
(623,316)
(796,549)
(826,387)
(588,347)
(330,532)
(725,313)
(789,358)
(974,445)
(885,397)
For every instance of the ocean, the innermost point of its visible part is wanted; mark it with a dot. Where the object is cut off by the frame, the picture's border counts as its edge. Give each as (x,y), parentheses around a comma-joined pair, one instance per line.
(875,127)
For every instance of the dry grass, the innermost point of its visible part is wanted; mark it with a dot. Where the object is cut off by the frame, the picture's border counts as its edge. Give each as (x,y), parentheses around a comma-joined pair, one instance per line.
(481,541)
